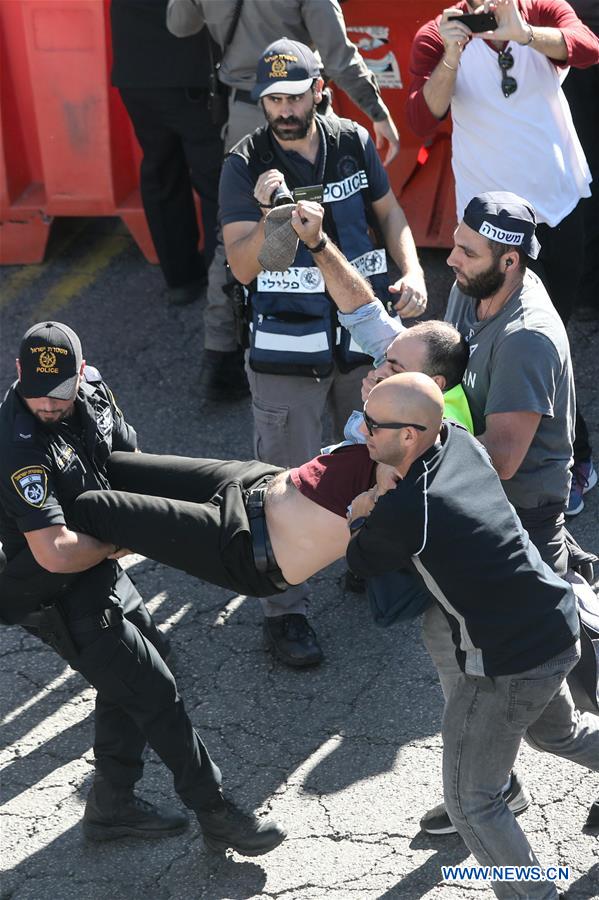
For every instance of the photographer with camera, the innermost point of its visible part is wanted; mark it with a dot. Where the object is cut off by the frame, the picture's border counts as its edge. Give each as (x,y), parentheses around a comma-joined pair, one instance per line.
(239,27)
(300,361)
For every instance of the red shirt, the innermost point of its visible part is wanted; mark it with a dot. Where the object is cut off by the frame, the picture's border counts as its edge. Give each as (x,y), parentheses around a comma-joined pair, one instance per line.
(335,479)
(427,50)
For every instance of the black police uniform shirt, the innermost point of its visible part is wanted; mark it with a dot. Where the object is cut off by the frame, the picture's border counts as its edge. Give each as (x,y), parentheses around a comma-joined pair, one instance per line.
(43,469)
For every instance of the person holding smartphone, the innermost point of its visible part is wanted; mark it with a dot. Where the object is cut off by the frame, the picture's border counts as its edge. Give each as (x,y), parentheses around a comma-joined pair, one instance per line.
(512,131)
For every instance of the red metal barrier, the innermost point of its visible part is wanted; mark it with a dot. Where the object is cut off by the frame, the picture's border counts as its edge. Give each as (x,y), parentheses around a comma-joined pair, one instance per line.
(67,147)
(66,144)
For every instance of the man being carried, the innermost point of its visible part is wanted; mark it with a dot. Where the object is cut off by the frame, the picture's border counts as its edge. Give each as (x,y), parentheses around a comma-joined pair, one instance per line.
(250,526)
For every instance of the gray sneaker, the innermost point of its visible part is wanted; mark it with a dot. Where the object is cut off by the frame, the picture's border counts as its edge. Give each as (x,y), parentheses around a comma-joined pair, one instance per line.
(436,820)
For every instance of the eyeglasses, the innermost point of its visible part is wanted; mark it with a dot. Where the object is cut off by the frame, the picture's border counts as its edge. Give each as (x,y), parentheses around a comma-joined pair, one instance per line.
(508,84)
(372,426)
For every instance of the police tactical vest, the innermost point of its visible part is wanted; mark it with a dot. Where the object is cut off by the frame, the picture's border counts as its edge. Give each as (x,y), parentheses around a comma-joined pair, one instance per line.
(293,325)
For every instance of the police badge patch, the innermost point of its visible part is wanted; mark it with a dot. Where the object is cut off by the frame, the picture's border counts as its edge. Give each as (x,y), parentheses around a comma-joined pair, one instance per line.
(31,484)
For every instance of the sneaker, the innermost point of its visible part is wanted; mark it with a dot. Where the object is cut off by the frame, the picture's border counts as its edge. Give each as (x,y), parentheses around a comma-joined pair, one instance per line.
(436,820)
(114,812)
(584,477)
(227,827)
(292,640)
(591,826)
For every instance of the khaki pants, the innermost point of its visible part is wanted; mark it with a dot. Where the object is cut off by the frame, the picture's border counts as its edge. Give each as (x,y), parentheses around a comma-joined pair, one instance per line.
(288,415)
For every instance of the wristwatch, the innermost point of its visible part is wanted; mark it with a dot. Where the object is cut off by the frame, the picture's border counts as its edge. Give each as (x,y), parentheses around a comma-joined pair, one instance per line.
(320,245)
(356,524)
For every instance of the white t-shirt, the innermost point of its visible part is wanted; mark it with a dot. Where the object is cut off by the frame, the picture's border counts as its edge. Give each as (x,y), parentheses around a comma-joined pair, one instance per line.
(524,143)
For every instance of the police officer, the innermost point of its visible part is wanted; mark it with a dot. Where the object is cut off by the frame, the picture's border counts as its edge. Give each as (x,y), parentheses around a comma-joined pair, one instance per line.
(300,359)
(239,27)
(59,424)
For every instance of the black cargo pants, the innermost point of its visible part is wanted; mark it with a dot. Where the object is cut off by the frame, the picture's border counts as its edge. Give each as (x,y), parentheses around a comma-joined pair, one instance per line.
(183,512)
(137,698)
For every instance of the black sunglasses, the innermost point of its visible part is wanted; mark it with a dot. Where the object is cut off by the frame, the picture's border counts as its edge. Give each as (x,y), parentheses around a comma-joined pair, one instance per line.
(508,84)
(373,426)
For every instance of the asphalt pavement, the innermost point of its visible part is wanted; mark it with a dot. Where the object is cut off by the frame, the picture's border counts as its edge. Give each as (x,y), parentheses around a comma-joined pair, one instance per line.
(347,756)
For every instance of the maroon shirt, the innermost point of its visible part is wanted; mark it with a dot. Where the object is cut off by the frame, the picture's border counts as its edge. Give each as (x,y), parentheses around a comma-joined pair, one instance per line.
(333,480)
(427,50)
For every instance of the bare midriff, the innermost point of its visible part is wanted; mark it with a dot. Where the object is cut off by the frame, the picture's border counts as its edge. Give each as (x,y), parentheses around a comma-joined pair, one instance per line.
(305,537)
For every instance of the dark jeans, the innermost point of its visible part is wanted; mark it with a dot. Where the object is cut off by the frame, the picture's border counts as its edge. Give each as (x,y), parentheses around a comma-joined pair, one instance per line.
(546,530)
(183,512)
(181,147)
(560,265)
(484,722)
(137,700)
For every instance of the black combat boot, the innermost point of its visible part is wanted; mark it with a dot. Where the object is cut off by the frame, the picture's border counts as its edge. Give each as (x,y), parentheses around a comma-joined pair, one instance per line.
(113,812)
(222,377)
(224,826)
(292,639)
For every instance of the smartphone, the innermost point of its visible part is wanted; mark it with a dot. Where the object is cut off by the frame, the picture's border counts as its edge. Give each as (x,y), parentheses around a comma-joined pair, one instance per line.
(476,23)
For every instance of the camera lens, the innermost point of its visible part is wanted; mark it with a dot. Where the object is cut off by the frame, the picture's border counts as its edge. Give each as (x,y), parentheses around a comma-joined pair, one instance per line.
(281,195)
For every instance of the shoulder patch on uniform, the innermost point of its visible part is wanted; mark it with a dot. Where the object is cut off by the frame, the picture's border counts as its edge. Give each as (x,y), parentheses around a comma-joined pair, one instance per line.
(91,374)
(31,484)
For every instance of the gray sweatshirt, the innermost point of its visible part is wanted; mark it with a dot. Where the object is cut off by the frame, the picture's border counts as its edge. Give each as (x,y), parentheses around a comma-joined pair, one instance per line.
(317,23)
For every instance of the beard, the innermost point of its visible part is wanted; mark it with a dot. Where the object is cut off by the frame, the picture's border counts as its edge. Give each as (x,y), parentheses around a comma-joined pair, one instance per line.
(483,285)
(293,128)
(51,421)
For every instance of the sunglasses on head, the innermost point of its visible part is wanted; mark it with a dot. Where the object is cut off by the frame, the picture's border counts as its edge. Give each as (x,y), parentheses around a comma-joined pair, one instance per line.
(508,84)
(372,426)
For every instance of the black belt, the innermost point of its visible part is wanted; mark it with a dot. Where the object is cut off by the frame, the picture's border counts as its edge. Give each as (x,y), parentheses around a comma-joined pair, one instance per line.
(264,558)
(243,96)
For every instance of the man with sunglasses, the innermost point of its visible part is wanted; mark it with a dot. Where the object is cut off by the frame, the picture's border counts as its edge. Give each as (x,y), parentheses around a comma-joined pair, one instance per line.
(513,621)
(512,131)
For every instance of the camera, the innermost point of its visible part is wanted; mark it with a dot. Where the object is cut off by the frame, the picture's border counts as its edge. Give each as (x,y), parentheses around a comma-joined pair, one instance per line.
(281,196)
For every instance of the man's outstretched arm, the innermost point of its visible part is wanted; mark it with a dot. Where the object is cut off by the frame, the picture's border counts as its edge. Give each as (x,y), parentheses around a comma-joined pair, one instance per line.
(345,285)
(370,325)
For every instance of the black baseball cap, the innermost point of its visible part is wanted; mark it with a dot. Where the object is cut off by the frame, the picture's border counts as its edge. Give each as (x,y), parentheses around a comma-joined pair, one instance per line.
(505,218)
(285,67)
(50,357)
